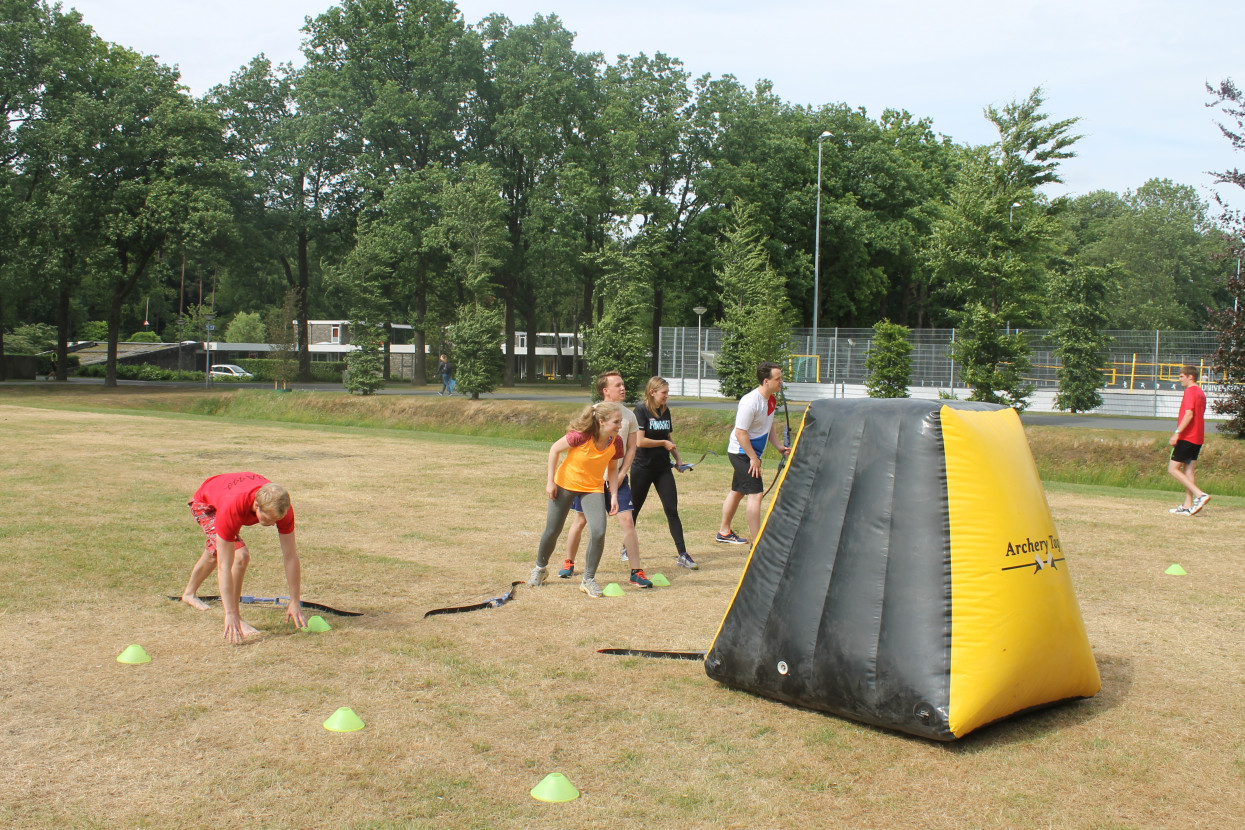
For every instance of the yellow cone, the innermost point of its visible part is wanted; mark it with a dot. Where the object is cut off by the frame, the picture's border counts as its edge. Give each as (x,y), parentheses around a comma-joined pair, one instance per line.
(318,625)
(614,590)
(660,581)
(554,788)
(1176,570)
(343,720)
(134,655)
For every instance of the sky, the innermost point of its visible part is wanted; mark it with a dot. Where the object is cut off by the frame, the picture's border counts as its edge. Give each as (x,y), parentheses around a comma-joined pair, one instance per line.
(1133,71)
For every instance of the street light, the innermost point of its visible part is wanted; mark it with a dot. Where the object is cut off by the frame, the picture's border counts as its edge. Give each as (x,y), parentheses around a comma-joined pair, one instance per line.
(1010,210)
(700,309)
(817,248)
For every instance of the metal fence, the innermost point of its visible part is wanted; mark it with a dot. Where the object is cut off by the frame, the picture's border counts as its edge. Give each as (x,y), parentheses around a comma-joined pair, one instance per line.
(1139,368)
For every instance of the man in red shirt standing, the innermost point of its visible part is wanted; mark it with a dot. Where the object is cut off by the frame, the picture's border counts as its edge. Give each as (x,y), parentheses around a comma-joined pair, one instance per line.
(222,506)
(1187,442)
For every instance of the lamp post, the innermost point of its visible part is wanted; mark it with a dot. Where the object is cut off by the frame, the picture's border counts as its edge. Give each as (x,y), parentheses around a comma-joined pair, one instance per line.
(817,248)
(1011,210)
(700,309)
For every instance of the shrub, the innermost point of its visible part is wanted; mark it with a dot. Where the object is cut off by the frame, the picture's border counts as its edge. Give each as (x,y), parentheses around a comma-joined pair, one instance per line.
(889,361)
(144,337)
(269,369)
(142,371)
(93,330)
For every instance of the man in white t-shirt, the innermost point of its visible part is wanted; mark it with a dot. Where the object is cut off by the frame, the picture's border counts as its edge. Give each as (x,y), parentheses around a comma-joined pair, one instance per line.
(754,427)
(610,387)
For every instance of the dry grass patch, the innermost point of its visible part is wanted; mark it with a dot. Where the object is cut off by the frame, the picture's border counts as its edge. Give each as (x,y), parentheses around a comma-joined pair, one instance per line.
(465,713)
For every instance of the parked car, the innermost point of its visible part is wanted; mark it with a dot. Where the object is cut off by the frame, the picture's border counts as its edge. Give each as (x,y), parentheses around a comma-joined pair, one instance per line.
(229,370)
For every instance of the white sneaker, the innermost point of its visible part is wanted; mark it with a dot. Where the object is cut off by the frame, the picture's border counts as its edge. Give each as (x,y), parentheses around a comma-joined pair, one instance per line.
(622,557)
(1182,511)
(1199,503)
(538,577)
(590,587)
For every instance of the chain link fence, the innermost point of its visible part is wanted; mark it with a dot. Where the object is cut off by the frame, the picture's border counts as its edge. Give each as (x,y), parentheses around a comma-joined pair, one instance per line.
(1140,368)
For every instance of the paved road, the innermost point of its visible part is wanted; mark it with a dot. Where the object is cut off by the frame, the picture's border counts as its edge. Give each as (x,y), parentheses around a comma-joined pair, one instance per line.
(570,394)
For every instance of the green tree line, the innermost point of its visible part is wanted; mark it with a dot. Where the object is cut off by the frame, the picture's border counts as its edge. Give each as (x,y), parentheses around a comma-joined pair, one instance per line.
(421,169)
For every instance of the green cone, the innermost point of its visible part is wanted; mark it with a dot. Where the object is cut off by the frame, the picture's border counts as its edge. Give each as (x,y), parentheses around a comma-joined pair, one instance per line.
(318,625)
(344,720)
(1175,570)
(660,581)
(134,655)
(614,590)
(554,787)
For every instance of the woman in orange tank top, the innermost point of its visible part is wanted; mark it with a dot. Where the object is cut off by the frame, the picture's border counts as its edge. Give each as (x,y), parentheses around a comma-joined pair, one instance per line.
(592,447)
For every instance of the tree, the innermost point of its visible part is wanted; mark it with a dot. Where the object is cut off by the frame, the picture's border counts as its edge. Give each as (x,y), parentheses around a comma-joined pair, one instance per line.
(473,233)
(287,141)
(365,364)
(755,321)
(246,327)
(45,59)
(995,240)
(148,170)
(1230,324)
(1159,245)
(1080,295)
(534,101)
(991,363)
(618,342)
(282,327)
(889,362)
(477,355)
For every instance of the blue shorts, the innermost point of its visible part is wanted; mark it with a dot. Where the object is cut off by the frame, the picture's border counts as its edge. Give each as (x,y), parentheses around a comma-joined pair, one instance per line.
(624,497)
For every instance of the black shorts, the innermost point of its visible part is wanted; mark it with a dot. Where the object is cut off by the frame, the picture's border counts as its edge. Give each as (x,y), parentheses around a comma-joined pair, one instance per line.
(1185,451)
(742,481)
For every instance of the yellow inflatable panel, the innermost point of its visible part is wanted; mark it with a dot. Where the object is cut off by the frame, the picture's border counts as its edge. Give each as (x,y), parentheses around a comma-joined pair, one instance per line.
(1017,638)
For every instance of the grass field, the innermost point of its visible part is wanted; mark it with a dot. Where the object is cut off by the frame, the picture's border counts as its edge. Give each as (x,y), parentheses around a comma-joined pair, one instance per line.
(466,713)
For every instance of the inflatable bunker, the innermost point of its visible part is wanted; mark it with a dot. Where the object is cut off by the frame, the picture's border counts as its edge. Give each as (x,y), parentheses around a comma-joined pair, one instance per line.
(908,574)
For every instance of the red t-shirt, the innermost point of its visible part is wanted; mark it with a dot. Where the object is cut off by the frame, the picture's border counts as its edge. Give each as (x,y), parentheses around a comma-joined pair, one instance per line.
(232,495)
(1194,401)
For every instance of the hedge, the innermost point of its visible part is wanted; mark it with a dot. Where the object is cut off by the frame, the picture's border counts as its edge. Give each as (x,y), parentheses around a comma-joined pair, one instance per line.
(265,369)
(143,371)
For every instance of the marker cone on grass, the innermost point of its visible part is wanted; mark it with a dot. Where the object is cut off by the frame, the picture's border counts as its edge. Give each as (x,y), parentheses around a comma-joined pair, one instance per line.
(343,720)
(1175,570)
(660,581)
(555,788)
(614,590)
(134,655)
(317,625)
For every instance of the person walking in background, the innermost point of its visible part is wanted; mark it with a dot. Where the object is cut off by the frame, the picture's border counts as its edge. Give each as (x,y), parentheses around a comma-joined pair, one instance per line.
(754,426)
(445,371)
(1187,442)
(652,466)
(592,448)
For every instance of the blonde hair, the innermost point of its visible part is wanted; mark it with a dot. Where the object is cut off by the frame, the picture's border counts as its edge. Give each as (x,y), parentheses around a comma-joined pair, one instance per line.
(650,389)
(589,420)
(273,499)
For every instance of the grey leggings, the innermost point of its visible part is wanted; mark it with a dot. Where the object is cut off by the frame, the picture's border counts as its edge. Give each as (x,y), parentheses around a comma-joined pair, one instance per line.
(555,517)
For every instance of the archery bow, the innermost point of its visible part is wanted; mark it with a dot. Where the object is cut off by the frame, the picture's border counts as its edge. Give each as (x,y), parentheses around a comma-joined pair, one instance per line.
(687,468)
(786,439)
(249,600)
(642,652)
(488,603)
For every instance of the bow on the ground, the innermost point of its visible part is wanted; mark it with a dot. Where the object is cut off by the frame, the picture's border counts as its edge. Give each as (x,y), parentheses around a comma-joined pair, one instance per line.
(476,606)
(687,468)
(316,606)
(786,440)
(666,655)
